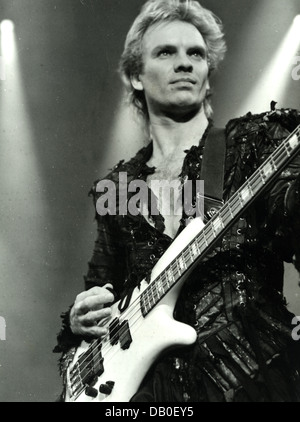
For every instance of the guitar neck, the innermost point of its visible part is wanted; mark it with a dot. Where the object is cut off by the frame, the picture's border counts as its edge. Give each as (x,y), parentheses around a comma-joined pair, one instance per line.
(202,243)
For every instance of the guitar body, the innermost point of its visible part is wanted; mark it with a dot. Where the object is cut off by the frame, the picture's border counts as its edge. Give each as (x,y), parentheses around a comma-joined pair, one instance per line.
(127,368)
(151,335)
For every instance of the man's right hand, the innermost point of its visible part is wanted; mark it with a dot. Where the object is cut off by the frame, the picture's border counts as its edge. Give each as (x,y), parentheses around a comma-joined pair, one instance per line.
(88,312)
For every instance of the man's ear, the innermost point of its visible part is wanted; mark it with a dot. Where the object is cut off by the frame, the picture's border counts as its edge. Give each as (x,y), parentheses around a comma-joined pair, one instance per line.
(136,83)
(208,90)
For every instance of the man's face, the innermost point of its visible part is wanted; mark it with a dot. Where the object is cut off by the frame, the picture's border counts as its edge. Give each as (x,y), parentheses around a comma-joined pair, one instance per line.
(175,72)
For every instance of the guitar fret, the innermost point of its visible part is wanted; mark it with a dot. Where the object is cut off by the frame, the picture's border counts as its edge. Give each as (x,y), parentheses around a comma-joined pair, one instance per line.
(288,148)
(222,222)
(268,170)
(198,245)
(151,295)
(154,293)
(262,175)
(182,262)
(176,269)
(205,238)
(145,302)
(250,188)
(273,164)
(213,230)
(159,291)
(294,141)
(149,291)
(170,277)
(230,210)
(195,249)
(217,224)
(240,198)
(189,258)
(244,195)
(160,288)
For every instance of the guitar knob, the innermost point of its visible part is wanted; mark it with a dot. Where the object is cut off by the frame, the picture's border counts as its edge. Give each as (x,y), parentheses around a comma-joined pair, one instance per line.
(111,384)
(106,388)
(91,392)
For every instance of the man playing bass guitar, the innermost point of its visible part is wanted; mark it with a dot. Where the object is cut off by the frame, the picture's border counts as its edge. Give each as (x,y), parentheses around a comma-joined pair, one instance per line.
(242,348)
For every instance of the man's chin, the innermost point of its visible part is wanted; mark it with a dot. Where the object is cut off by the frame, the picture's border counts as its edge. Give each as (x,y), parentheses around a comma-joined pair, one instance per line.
(183,112)
(185,102)
(185,106)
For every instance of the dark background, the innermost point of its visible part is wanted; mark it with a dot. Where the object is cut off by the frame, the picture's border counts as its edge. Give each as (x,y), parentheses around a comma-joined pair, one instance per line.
(62,127)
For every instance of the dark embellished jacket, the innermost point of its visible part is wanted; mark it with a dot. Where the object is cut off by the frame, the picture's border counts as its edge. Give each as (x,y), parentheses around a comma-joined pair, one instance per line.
(234,298)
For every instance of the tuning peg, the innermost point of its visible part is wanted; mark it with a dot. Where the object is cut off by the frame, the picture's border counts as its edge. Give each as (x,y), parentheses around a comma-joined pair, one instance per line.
(91,392)
(106,388)
(111,384)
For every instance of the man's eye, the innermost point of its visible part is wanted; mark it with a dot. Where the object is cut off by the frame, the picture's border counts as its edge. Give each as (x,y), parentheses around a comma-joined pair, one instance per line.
(164,53)
(197,54)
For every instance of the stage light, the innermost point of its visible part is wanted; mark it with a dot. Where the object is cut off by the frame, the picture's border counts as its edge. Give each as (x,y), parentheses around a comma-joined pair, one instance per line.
(19,165)
(7,40)
(274,80)
(7,26)
(297,21)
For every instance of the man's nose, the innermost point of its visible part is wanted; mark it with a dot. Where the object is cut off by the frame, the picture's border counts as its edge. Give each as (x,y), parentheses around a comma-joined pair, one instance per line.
(183,63)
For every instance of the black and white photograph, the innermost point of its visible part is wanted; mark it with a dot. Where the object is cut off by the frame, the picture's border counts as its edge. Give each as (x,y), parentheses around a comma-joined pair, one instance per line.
(150,203)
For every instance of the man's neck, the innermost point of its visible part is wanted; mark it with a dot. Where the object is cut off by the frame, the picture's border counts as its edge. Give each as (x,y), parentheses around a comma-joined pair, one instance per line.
(171,138)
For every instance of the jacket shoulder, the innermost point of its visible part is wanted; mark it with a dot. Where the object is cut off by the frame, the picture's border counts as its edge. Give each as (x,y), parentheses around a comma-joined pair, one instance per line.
(276,123)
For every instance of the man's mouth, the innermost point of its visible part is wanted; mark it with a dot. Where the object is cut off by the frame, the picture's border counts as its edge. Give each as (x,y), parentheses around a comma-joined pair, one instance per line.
(184,80)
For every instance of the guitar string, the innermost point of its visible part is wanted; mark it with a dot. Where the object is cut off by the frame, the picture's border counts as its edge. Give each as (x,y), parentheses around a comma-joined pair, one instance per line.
(162,278)
(189,253)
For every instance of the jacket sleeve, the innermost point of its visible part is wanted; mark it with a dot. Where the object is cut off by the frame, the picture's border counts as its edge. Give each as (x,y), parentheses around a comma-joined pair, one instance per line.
(251,140)
(283,201)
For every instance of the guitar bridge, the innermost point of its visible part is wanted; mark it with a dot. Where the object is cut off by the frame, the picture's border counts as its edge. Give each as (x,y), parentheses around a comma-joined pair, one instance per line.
(89,367)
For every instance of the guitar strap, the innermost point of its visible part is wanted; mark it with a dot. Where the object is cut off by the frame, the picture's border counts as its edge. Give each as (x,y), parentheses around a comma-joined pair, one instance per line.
(212,171)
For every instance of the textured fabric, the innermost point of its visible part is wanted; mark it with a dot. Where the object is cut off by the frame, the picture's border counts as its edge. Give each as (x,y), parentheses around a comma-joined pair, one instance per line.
(233,298)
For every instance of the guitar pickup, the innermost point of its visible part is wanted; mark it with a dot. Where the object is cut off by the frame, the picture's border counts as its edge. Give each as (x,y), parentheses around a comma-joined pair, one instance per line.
(99,367)
(114,333)
(125,336)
